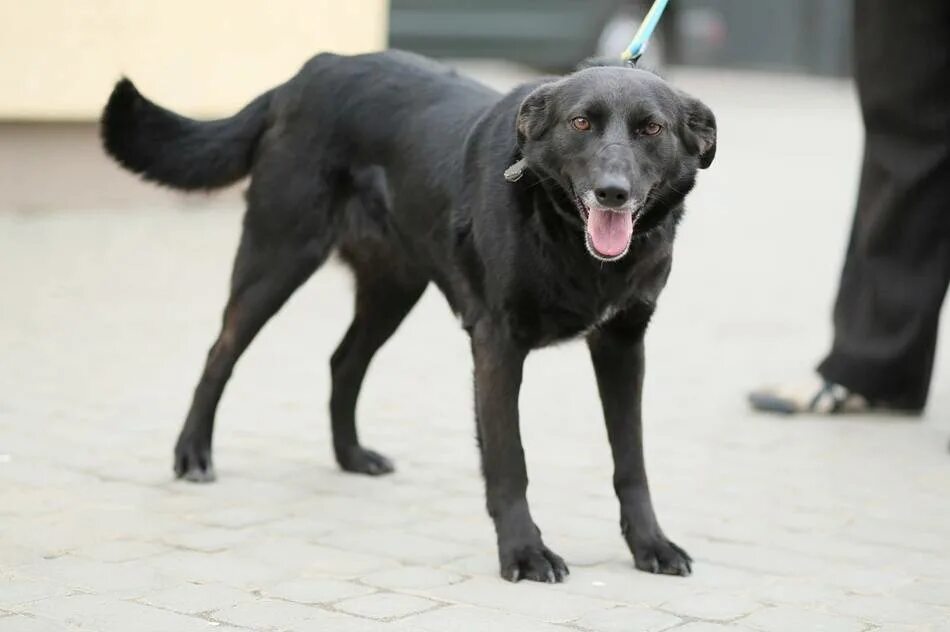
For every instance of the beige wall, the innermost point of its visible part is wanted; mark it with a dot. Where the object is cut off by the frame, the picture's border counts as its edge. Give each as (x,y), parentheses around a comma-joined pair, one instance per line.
(59,58)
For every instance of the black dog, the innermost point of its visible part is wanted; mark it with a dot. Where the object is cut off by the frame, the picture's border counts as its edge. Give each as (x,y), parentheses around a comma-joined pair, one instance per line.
(545,214)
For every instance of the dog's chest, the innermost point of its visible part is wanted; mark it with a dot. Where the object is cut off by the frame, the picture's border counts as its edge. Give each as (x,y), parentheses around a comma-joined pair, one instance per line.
(575,299)
(566,310)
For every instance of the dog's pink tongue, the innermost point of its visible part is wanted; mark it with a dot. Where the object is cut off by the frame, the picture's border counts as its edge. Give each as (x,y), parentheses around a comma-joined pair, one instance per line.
(609,232)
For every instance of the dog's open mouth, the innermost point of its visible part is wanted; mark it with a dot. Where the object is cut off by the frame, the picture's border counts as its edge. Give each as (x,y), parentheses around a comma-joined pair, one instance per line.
(608,232)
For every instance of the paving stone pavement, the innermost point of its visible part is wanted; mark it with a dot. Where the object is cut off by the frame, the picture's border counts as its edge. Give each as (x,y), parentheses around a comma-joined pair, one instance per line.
(795,524)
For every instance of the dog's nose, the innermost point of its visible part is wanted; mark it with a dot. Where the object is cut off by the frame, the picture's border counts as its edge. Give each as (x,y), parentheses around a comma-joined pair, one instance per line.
(612,194)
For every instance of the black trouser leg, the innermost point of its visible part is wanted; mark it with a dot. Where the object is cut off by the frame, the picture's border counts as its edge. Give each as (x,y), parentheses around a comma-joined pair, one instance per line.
(898,260)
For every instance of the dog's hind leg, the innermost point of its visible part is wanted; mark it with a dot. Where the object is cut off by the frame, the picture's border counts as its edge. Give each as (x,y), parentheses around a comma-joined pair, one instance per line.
(386,291)
(284,241)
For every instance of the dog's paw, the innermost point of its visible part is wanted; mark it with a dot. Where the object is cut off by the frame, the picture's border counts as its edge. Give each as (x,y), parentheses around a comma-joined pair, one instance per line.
(534,562)
(193,462)
(362,461)
(663,557)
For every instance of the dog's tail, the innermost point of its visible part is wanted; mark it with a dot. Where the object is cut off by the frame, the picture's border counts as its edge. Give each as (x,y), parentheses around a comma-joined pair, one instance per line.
(170,149)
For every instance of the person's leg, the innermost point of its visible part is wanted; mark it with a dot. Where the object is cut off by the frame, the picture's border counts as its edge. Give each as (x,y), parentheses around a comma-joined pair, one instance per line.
(898,259)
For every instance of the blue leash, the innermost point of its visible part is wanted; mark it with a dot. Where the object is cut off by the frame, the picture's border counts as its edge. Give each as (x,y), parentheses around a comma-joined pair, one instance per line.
(638,46)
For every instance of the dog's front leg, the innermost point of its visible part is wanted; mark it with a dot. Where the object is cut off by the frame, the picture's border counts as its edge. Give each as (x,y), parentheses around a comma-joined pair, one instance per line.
(618,365)
(498,366)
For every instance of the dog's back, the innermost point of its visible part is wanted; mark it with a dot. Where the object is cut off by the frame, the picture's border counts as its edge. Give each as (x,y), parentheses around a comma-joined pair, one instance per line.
(361,110)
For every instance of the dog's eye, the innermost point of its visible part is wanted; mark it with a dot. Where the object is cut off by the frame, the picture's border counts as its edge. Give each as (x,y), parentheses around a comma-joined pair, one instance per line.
(580,123)
(651,129)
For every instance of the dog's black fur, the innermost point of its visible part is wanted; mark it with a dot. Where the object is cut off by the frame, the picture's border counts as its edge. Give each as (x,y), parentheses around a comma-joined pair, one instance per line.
(397,162)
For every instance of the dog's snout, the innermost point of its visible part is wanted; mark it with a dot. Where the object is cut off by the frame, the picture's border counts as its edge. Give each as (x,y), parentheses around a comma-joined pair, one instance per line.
(612,193)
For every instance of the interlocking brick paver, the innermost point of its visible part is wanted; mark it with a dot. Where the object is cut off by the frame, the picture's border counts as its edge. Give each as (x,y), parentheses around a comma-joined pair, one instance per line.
(526,598)
(398,544)
(797,592)
(205,539)
(23,623)
(120,551)
(215,568)
(795,524)
(484,563)
(890,610)
(305,527)
(869,581)
(470,530)
(718,577)
(316,590)
(325,560)
(721,606)
(102,613)
(927,591)
(625,619)
(471,619)
(300,555)
(270,614)
(386,605)
(122,580)
(701,626)
(194,598)
(620,584)
(19,590)
(412,578)
(238,517)
(340,622)
(789,619)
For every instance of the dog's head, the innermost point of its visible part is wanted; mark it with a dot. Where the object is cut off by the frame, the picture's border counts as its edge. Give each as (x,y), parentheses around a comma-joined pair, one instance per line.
(621,143)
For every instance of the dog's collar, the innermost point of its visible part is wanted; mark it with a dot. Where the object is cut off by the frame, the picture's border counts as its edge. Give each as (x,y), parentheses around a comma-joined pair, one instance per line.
(516,170)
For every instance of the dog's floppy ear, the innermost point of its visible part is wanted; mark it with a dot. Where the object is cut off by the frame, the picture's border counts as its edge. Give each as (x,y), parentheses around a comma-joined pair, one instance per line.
(699,130)
(534,115)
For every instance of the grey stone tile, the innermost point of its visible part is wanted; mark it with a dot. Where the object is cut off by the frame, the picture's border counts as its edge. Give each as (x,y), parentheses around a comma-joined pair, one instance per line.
(789,619)
(538,601)
(20,590)
(929,591)
(882,610)
(122,579)
(106,614)
(386,605)
(721,606)
(398,544)
(316,590)
(271,614)
(194,598)
(700,626)
(471,619)
(205,539)
(625,619)
(120,550)
(412,578)
(23,623)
